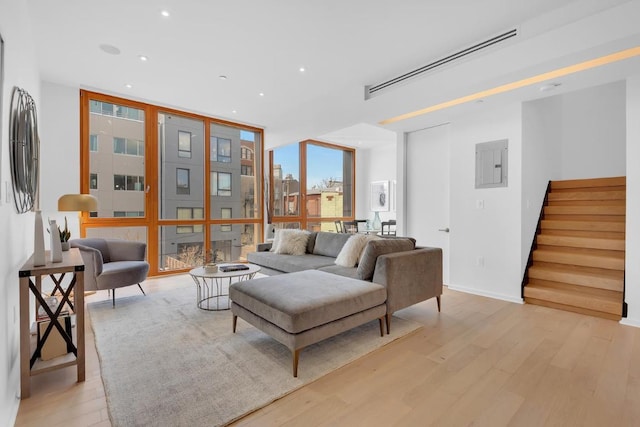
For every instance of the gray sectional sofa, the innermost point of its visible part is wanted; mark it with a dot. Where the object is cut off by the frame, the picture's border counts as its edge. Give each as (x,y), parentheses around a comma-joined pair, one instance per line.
(318,299)
(410,274)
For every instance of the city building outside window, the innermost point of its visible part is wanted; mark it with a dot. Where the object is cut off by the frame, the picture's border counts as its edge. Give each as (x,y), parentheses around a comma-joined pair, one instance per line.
(93,142)
(184,144)
(220,150)
(128,182)
(183,184)
(220,184)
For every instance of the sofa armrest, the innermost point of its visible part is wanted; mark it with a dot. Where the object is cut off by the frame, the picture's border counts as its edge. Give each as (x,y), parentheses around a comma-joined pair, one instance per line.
(409,276)
(264,247)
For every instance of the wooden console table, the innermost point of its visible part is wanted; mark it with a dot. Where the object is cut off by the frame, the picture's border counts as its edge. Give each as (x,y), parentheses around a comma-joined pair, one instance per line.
(30,346)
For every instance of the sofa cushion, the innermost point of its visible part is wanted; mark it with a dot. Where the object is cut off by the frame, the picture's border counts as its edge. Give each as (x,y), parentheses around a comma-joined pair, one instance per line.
(351,272)
(330,244)
(292,242)
(350,252)
(289,263)
(300,301)
(378,247)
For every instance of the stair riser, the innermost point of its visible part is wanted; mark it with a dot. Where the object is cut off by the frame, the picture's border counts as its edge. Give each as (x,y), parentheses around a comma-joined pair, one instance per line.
(581,260)
(587,195)
(580,310)
(577,279)
(573,300)
(580,242)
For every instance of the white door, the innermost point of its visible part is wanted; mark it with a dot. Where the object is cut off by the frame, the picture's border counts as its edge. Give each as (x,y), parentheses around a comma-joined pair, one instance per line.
(428,190)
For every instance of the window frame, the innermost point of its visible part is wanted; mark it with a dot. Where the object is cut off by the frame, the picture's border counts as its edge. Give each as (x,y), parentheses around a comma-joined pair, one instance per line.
(302,218)
(92,103)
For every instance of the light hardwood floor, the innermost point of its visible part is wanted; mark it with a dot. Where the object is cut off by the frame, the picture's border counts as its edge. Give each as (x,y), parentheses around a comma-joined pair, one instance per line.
(480,361)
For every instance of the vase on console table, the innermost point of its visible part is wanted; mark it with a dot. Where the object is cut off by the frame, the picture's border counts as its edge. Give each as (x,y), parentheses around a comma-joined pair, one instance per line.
(377,223)
(56,245)
(38,241)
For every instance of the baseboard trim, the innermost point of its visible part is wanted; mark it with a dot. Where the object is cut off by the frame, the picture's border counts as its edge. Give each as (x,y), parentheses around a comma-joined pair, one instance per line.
(482,293)
(630,322)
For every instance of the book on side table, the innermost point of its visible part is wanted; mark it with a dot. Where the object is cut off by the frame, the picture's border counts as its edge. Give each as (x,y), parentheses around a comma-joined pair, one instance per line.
(233,267)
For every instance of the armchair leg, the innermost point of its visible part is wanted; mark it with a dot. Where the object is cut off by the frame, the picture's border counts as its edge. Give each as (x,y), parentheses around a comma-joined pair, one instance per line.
(142,289)
(114,298)
(438,300)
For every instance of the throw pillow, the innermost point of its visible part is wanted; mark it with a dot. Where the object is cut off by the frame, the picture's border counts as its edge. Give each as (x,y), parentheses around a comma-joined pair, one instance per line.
(375,248)
(350,252)
(292,242)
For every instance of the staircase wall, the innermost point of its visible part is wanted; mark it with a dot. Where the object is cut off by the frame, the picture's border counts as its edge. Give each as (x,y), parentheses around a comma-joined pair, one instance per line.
(632,296)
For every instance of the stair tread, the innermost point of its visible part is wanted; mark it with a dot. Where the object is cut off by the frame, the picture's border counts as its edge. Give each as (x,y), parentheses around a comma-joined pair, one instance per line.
(596,234)
(590,183)
(569,289)
(585,210)
(585,217)
(583,225)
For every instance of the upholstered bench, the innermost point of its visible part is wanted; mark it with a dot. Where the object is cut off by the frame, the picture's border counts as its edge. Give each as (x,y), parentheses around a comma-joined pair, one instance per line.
(299,309)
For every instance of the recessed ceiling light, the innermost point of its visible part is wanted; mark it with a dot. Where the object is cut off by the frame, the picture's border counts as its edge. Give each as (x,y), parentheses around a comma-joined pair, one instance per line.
(110,49)
(143,58)
(165,13)
(222,77)
(234,111)
(302,69)
(261,94)
(128,86)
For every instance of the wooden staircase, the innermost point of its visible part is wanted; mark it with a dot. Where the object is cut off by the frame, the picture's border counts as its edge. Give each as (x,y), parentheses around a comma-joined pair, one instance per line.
(577,259)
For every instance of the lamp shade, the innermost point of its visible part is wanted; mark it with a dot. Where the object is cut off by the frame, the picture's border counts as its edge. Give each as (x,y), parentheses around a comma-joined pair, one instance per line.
(77,202)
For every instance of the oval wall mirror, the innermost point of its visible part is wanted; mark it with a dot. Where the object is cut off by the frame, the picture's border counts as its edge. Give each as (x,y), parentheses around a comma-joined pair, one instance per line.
(24,150)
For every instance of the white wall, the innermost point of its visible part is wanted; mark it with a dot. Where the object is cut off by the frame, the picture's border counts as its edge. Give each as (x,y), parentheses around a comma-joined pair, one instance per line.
(16,230)
(60,150)
(485,243)
(374,164)
(541,161)
(594,132)
(632,266)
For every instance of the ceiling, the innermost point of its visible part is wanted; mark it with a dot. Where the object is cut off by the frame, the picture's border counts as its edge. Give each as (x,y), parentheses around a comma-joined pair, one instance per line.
(260,46)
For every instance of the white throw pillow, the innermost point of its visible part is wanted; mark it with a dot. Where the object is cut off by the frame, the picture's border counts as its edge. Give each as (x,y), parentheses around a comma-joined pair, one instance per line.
(350,252)
(292,242)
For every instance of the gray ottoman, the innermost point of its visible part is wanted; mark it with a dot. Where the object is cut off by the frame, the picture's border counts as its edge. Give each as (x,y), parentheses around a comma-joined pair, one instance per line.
(299,309)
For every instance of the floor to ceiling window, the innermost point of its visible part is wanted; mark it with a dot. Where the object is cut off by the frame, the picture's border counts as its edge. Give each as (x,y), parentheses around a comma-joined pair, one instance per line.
(184,184)
(312,185)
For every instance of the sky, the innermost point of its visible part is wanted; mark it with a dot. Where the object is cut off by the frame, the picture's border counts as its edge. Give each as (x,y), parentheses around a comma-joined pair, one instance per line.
(322,162)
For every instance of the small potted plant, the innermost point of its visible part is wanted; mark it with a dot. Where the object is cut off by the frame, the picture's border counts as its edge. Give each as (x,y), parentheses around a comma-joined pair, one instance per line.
(65,235)
(211,265)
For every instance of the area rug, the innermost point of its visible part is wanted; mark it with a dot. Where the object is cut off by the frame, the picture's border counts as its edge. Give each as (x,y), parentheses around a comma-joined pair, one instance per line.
(165,362)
